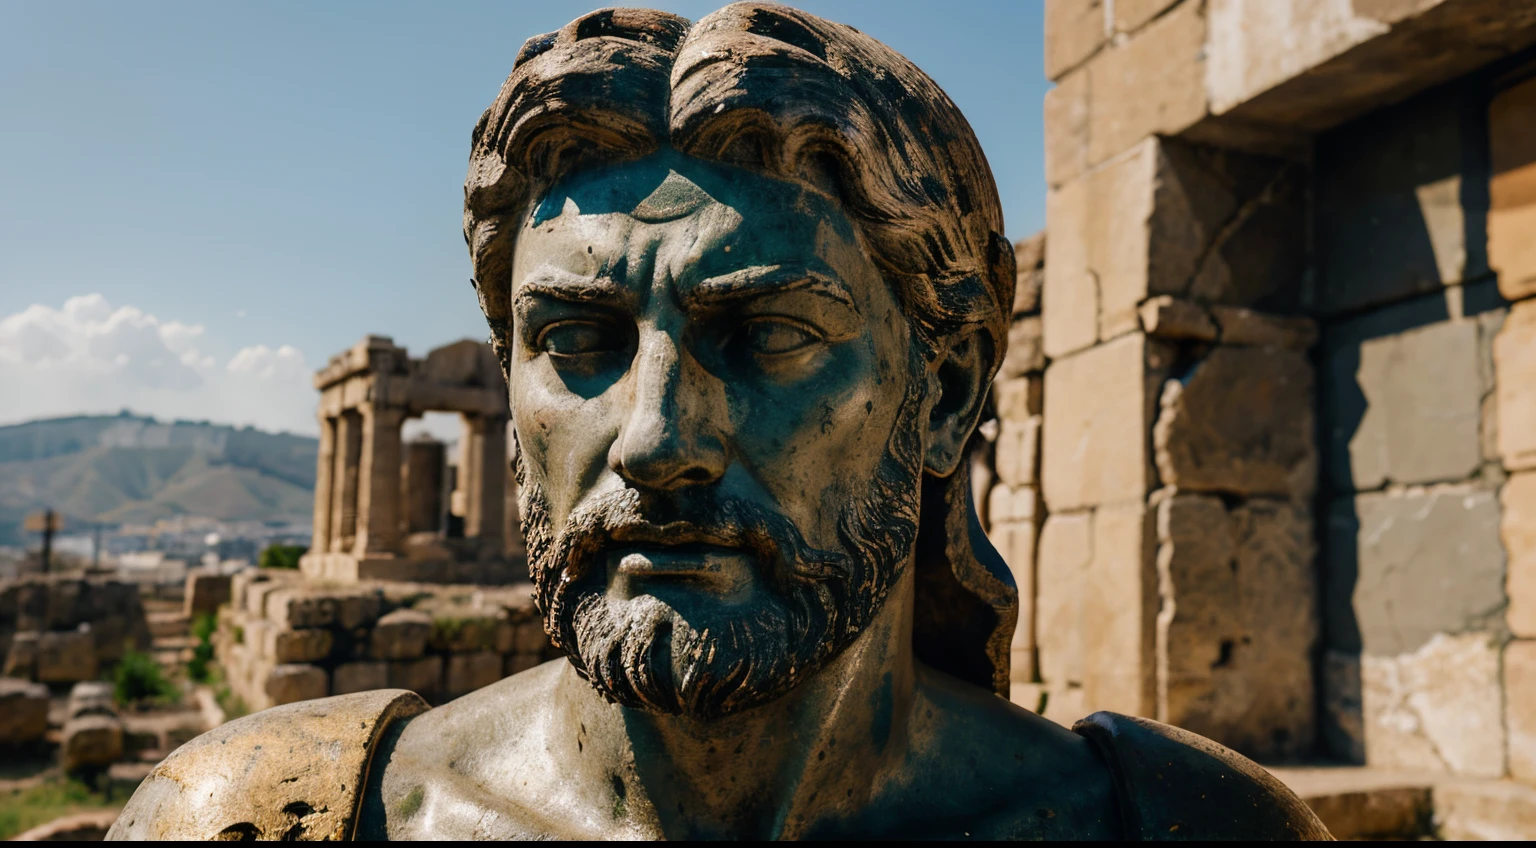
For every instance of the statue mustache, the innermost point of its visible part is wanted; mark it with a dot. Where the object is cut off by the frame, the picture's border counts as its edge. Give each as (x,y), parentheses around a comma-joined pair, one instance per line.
(627,516)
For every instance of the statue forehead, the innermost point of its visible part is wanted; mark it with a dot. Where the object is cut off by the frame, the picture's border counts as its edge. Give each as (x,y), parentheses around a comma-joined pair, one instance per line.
(669,186)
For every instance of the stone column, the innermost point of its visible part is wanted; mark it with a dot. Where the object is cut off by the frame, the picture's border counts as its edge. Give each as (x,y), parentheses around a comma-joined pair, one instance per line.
(484,464)
(349,448)
(423,485)
(378,530)
(325,462)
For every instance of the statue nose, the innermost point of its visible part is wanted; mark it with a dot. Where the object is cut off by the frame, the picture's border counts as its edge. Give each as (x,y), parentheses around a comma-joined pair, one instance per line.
(673,434)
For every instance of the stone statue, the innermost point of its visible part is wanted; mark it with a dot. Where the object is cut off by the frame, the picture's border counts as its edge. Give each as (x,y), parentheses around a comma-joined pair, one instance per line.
(747,282)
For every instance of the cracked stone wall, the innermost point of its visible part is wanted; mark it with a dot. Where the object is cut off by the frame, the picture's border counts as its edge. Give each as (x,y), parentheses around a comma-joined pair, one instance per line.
(1415,600)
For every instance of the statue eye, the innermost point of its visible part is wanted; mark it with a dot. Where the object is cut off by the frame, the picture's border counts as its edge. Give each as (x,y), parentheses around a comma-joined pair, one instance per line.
(576,338)
(768,337)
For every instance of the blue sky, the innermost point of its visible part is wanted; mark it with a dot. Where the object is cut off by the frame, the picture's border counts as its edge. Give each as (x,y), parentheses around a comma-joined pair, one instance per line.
(200,202)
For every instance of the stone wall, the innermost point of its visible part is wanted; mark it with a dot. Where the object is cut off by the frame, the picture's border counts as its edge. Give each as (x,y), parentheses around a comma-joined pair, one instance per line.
(284,638)
(62,629)
(1267,231)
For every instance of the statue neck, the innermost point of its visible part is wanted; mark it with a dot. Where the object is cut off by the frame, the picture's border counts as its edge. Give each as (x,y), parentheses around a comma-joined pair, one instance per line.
(777,770)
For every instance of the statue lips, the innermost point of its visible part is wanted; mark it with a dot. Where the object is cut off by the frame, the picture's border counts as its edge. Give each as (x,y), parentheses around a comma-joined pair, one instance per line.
(716,559)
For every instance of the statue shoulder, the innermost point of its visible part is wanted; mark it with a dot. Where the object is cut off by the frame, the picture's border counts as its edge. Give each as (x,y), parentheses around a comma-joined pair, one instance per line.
(290,772)
(1173,784)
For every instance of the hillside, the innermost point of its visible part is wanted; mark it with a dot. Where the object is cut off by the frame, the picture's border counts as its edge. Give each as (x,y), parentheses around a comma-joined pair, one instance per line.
(127,468)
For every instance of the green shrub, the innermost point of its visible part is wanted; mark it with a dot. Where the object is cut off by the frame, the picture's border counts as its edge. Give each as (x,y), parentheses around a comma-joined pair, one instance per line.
(281,556)
(137,679)
(202,654)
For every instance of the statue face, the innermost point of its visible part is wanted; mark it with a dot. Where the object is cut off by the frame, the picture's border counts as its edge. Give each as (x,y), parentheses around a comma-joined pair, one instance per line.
(717,400)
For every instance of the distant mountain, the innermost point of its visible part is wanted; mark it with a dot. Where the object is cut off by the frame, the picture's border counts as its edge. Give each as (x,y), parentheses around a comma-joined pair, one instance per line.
(128,468)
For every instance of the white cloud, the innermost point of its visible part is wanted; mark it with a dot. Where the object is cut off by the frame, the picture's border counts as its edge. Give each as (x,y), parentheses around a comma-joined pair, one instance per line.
(91,357)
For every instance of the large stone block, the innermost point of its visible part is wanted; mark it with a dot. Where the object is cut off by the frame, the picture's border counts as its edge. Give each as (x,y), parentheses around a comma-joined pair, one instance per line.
(1120,198)
(66,657)
(91,741)
(1512,191)
(424,676)
(282,645)
(1131,14)
(1514,358)
(359,677)
(1518,531)
(1075,29)
(1019,398)
(1017,457)
(1069,299)
(464,673)
(1066,109)
(462,629)
(1403,407)
(1118,612)
(1029,273)
(286,684)
(1015,540)
(1240,421)
(21,657)
(1065,554)
(1403,566)
(91,697)
(23,711)
(1153,83)
(205,592)
(1094,449)
(1520,707)
(1438,708)
(1484,811)
(401,635)
(1024,352)
(1400,204)
(1228,228)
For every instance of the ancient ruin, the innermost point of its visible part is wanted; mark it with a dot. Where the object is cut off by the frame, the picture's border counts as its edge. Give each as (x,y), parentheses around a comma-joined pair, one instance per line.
(383,509)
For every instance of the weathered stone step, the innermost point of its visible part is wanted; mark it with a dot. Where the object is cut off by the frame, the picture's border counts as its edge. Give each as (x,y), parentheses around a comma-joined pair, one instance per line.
(167,624)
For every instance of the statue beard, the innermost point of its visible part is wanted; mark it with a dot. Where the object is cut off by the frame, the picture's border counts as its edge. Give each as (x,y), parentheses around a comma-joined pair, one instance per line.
(715,659)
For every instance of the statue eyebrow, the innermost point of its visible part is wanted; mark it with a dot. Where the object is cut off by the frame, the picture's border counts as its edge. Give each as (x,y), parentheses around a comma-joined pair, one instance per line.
(558,284)
(768,279)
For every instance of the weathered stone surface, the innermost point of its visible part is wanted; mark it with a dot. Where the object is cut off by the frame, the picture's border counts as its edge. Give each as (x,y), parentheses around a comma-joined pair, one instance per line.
(1512,191)
(400,635)
(1070,298)
(1437,708)
(1118,612)
(1015,540)
(1486,811)
(1074,31)
(91,697)
(1017,457)
(1167,317)
(288,683)
(1514,358)
(1018,398)
(1007,503)
(1520,707)
(1064,704)
(301,607)
(21,659)
(1241,422)
(1517,529)
(205,592)
(1227,227)
(66,657)
(1393,216)
(1240,326)
(1094,448)
(1029,273)
(464,673)
(78,827)
(1131,14)
(1066,550)
(1406,407)
(23,711)
(91,741)
(461,629)
(257,593)
(1404,566)
(1154,83)
(1120,203)
(423,676)
(1024,352)
(1237,622)
(359,677)
(282,645)
(1066,109)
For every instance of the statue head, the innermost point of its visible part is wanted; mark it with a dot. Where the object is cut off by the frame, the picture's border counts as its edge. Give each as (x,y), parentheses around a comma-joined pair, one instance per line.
(747,282)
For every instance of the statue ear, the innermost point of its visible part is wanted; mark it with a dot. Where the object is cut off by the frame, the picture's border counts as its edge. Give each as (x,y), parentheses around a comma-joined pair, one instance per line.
(958,391)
